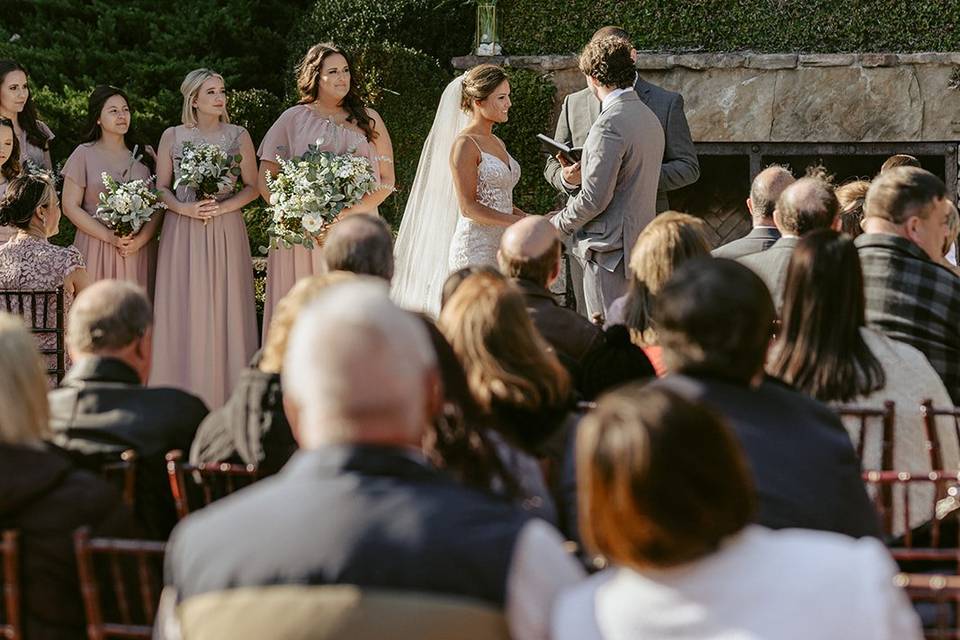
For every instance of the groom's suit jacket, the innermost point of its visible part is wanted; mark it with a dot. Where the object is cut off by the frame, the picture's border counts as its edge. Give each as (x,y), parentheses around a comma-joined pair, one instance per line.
(680,166)
(618,195)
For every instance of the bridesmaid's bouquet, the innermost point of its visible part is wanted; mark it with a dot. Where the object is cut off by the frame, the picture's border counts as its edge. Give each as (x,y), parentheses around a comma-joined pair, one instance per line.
(207,169)
(309,193)
(126,206)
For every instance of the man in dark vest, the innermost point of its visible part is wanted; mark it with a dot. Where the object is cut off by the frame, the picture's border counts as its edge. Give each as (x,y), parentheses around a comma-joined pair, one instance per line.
(359,504)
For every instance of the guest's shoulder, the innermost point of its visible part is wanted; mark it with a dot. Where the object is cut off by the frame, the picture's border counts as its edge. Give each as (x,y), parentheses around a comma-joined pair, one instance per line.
(657,91)
(179,398)
(832,551)
(580,98)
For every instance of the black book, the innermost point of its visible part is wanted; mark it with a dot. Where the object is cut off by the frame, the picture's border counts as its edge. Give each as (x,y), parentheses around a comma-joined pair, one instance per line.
(553,147)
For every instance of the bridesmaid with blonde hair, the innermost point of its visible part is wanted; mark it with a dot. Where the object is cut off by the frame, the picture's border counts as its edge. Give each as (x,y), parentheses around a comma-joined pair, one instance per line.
(331,111)
(104,150)
(205,322)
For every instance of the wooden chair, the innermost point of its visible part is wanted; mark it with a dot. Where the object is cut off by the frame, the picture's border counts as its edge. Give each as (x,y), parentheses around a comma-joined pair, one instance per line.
(884,419)
(930,414)
(122,473)
(896,498)
(135,570)
(942,593)
(196,485)
(10,618)
(43,312)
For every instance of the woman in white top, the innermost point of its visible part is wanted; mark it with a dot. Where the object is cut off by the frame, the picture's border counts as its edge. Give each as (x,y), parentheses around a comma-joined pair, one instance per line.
(665,496)
(826,351)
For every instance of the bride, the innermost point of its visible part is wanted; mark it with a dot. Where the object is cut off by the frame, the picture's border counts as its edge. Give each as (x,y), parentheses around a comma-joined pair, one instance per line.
(449,223)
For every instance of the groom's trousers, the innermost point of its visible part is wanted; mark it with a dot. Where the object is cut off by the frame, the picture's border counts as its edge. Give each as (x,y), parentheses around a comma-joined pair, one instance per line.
(601,287)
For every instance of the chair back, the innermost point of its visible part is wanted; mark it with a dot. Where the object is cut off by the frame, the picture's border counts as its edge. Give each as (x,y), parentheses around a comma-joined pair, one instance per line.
(43,313)
(867,419)
(196,485)
(899,494)
(10,609)
(930,414)
(337,612)
(122,473)
(937,600)
(120,581)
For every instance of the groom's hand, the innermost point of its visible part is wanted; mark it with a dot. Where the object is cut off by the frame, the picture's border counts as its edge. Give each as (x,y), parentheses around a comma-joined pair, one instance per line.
(570,173)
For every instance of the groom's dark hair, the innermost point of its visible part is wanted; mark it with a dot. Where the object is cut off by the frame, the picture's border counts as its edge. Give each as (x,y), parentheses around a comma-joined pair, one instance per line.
(609,62)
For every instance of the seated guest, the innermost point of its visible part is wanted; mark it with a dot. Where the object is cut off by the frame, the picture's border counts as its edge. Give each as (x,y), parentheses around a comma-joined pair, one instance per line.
(27,260)
(807,204)
(850,197)
(666,243)
(43,497)
(358,505)
(899,160)
(910,297)
(456,278)
(360,243)
(252,428)
(687,563)
(714,319)
(530,255)
(826,351)
(766,188)
(514,376)
(102,406)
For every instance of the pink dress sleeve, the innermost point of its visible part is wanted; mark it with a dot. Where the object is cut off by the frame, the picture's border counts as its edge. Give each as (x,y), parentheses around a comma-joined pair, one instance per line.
(73,260)
(75,168)
(46,130)
(278,140)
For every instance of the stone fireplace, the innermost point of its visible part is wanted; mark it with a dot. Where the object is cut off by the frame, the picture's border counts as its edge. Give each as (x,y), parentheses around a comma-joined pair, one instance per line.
(847,112)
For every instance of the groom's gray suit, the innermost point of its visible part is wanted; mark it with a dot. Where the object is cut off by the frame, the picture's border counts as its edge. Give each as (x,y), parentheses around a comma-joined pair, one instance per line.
(620,170)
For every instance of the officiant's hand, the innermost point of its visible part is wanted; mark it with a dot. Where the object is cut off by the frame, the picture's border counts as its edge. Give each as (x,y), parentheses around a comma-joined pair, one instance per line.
(569,172)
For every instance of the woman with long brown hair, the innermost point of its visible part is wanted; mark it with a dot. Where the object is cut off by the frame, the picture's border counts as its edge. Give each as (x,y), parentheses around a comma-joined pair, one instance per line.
(16,105)
(513,375)
(825,349)
(331,113)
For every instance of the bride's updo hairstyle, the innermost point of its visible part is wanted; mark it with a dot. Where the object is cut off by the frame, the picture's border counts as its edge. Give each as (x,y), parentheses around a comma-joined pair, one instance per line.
(24,194)
(479,83)
(190,88)
(308,84)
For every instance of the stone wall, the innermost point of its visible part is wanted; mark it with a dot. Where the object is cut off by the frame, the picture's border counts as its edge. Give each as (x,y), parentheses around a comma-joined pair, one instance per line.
(747,97)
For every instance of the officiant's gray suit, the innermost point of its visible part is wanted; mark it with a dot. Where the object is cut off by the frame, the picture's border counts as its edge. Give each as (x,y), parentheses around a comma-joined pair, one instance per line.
(620,170)
(680,166)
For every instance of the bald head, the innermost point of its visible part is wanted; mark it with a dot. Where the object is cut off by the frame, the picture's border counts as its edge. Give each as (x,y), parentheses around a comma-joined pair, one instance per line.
(764,192)
(360,243)
(807,204)
(530,250)
(358,369)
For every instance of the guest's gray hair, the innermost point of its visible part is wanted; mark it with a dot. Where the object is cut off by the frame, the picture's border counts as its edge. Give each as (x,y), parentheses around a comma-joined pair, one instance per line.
(354,356)
(361,243)
(108,315)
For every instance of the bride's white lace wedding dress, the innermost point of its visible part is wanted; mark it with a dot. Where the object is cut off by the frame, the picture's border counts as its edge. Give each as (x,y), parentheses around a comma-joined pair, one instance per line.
(476,244)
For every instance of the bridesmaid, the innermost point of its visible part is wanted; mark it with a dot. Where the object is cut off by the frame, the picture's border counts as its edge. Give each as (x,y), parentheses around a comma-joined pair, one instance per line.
(16,104)
(206,327)
(9,167)
(331,110)
(104,150)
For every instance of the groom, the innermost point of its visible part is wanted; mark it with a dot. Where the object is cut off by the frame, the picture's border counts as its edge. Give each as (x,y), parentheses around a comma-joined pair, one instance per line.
(620,171)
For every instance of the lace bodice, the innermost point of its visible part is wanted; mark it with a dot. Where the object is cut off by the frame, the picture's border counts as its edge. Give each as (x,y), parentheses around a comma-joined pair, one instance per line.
(476,244)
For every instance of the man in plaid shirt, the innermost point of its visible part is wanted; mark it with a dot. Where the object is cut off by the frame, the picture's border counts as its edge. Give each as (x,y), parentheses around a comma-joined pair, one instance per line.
(909,296)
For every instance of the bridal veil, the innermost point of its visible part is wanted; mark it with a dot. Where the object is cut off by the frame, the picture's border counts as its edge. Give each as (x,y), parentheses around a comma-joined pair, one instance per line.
(430,216)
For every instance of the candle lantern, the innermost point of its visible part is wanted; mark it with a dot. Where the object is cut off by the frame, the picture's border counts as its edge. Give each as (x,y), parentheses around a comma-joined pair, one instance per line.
(487,44)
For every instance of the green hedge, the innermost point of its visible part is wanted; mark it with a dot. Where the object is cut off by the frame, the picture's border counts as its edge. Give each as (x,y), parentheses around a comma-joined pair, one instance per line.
(538,27)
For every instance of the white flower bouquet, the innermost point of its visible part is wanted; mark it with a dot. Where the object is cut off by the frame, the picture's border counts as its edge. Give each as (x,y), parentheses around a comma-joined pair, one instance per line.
(126,206)
(207,169)
(309,193)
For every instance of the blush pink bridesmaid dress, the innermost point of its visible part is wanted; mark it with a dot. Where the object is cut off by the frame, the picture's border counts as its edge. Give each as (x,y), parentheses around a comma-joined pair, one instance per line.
(205,321)
(290,135)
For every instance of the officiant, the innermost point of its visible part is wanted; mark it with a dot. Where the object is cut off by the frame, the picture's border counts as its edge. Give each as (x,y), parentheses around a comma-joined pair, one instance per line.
(579,111)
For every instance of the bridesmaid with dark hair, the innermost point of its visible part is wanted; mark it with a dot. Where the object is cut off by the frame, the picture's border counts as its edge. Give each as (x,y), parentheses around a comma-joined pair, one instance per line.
(331,110)
(16,104)
(205,328)
(9,166)
(104,150)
